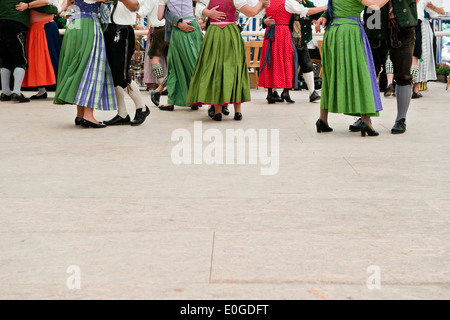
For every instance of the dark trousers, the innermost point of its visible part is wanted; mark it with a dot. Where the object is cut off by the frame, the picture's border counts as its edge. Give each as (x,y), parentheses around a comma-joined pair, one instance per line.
(120,46)
(304,60)
(13,36)
(401,46)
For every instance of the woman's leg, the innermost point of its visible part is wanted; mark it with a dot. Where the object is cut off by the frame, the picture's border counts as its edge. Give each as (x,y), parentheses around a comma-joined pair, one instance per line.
(89,115)
(80,112)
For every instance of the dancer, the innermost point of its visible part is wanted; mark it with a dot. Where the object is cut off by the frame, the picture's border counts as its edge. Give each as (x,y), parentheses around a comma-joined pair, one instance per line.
(349,79)
(279,61)
(43,46)
(221,74)
(185,41)
(84,76)
(155,64)
(396,35)
(302,33)
(13,29)
(120,47)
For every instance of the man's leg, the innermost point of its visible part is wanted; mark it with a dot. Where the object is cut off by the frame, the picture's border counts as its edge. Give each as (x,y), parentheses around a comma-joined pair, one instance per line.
(402,59)
(307,68)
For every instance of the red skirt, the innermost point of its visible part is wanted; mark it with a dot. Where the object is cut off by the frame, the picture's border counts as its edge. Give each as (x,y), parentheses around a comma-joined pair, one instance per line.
(40,72)
(281,73)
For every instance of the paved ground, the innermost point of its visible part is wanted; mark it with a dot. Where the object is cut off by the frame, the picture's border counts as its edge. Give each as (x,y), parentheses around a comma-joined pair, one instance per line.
(345,217)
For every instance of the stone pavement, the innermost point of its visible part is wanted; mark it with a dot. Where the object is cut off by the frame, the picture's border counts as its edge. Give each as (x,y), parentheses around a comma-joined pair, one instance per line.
(344,217)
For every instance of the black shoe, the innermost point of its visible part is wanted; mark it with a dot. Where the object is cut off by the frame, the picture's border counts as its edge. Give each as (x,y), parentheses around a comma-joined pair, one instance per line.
(225,110)
(286,98)
(169,107)
(322,126)
(5,97)
(270,100)
(117,121)
(164,93)
(399,127)
(19,98)
(154,96)
(416,95)
(238,116)
(140,116)
(276,97)
(366,129)
(389,90)
(194,107)
(42,96)
(87,124)
(211,111)
(314,96)
(356,126)
(217,117)
(78,121)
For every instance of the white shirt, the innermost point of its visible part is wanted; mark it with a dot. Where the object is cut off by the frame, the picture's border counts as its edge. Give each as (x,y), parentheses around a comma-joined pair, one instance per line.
(149,9)
(124,16)
(291,6)
(422,6)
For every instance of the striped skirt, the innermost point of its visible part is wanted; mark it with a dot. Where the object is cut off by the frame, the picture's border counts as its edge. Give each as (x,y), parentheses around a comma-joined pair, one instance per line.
(427,66)
(84,76)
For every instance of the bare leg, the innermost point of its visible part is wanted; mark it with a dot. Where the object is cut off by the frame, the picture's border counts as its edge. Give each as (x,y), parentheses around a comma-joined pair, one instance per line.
(89,115)
(218,109)
(80,111)
(324,115)
(237,107)
(366,120)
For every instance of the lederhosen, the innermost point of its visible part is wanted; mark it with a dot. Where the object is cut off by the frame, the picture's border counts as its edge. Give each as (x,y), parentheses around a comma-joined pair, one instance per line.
(13,37)
(158,46)
(120,47)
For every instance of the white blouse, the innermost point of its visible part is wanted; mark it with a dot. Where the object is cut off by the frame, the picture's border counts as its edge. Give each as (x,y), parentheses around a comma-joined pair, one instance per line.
(291,6)
(149,8)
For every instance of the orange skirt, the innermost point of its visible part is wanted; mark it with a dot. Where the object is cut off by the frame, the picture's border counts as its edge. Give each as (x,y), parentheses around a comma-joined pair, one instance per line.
(40,72)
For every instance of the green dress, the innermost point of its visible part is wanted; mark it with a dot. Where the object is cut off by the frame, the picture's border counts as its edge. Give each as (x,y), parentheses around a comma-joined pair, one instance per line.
(346,83)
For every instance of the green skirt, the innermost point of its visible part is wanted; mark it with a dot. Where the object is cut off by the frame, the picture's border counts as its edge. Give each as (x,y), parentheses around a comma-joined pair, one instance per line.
(181,58)
(346,84)
(221,74)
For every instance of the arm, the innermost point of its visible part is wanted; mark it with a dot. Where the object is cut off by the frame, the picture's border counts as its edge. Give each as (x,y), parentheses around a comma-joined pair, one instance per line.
(132,5)
(374,4)
(431,6)
(22,6)
(253,11)
(161,9)
(293,6)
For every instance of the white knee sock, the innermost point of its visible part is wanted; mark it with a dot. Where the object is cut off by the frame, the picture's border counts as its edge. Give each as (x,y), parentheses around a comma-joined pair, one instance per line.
(309,79)
(6,77)
(19,74)
(135,94)
(121,106)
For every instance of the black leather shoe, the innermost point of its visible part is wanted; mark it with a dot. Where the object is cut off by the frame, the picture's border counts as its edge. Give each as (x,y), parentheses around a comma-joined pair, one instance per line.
(88,124)
(270,100)
(276,97)
(169,107)
(416,95)
(140,116)
(4,97)
(19,98)
(36,97)
(211,111)
(78,121)
(154,96)
(322,126)
(117,121)
(225,110)
(366,129)
(217,117)
(314,96)
(389,90)
(194,107)
(399,127)
(286,98)
(238,116)
(164,93)
(356,126)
